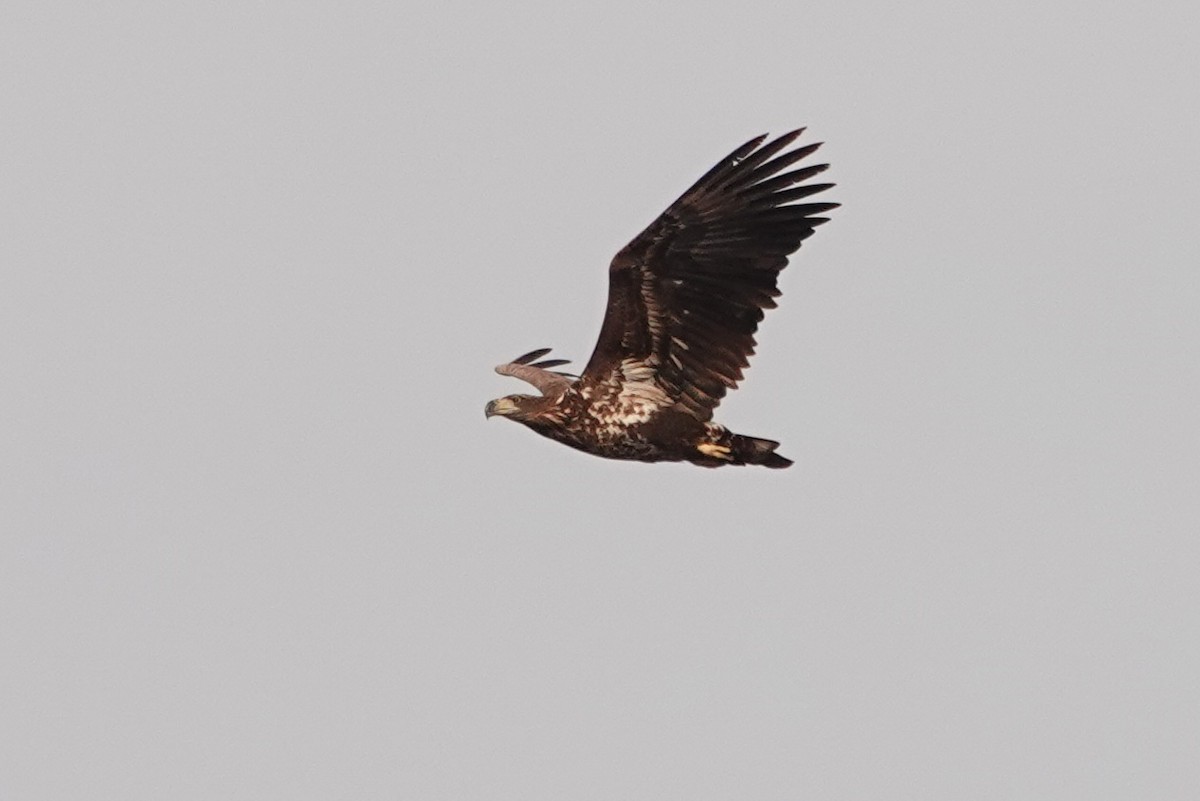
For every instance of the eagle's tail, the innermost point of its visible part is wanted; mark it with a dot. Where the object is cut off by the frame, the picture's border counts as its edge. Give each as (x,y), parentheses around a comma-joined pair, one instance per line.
(752,450)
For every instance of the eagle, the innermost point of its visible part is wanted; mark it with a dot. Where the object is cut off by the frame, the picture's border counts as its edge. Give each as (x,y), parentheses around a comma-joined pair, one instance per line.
(685,298)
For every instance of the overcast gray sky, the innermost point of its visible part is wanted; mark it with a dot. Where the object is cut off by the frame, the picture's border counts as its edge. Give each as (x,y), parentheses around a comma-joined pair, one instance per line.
(259,259)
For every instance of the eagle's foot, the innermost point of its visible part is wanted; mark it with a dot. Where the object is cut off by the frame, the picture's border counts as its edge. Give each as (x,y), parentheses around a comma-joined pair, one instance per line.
(713,450)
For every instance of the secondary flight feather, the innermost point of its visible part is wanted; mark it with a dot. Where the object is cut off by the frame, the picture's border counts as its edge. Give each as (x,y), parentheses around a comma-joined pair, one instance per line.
(685,298)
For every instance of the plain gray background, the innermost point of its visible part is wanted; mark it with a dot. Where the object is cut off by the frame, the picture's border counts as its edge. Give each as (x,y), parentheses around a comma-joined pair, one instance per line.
(259,259)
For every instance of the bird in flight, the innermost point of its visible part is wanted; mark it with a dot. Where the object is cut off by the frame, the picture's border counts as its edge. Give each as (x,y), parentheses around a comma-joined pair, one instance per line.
(685,298)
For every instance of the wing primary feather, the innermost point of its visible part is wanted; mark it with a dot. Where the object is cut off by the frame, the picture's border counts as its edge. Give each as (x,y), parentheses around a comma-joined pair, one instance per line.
(729,162)
(783,181)
(738,171)
(783,196)
(533,354)
(769,168)
(757,165)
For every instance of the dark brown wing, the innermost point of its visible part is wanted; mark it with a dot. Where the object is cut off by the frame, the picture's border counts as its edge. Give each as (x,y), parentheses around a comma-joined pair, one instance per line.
(686,296)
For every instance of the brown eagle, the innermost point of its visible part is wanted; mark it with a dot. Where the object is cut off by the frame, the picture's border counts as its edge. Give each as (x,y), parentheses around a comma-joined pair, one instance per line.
(684,300)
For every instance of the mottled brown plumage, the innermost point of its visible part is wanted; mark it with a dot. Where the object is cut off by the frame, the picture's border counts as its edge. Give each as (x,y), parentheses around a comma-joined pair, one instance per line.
(685,298)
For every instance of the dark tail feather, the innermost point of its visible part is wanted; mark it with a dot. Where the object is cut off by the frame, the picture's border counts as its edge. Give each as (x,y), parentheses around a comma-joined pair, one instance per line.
(752,450)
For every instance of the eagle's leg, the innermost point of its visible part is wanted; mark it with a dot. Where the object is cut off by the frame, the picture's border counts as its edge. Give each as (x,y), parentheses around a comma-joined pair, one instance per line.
(722,446)
(714,451)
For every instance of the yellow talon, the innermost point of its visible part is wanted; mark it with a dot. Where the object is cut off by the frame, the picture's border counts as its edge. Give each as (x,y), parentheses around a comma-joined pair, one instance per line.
(713,450)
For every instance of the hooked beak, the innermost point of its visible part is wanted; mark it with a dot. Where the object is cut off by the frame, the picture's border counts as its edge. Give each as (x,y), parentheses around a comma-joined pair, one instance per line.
(503,407)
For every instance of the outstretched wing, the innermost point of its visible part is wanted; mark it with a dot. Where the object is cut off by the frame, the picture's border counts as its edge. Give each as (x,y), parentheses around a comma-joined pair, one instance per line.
(547,381)
(686,295)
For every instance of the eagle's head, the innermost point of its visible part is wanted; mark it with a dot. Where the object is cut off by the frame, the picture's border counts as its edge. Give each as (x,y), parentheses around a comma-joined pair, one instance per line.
(521,408)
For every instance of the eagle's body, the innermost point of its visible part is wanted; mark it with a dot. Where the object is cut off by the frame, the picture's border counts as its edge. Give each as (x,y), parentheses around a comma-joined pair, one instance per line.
(685,298)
